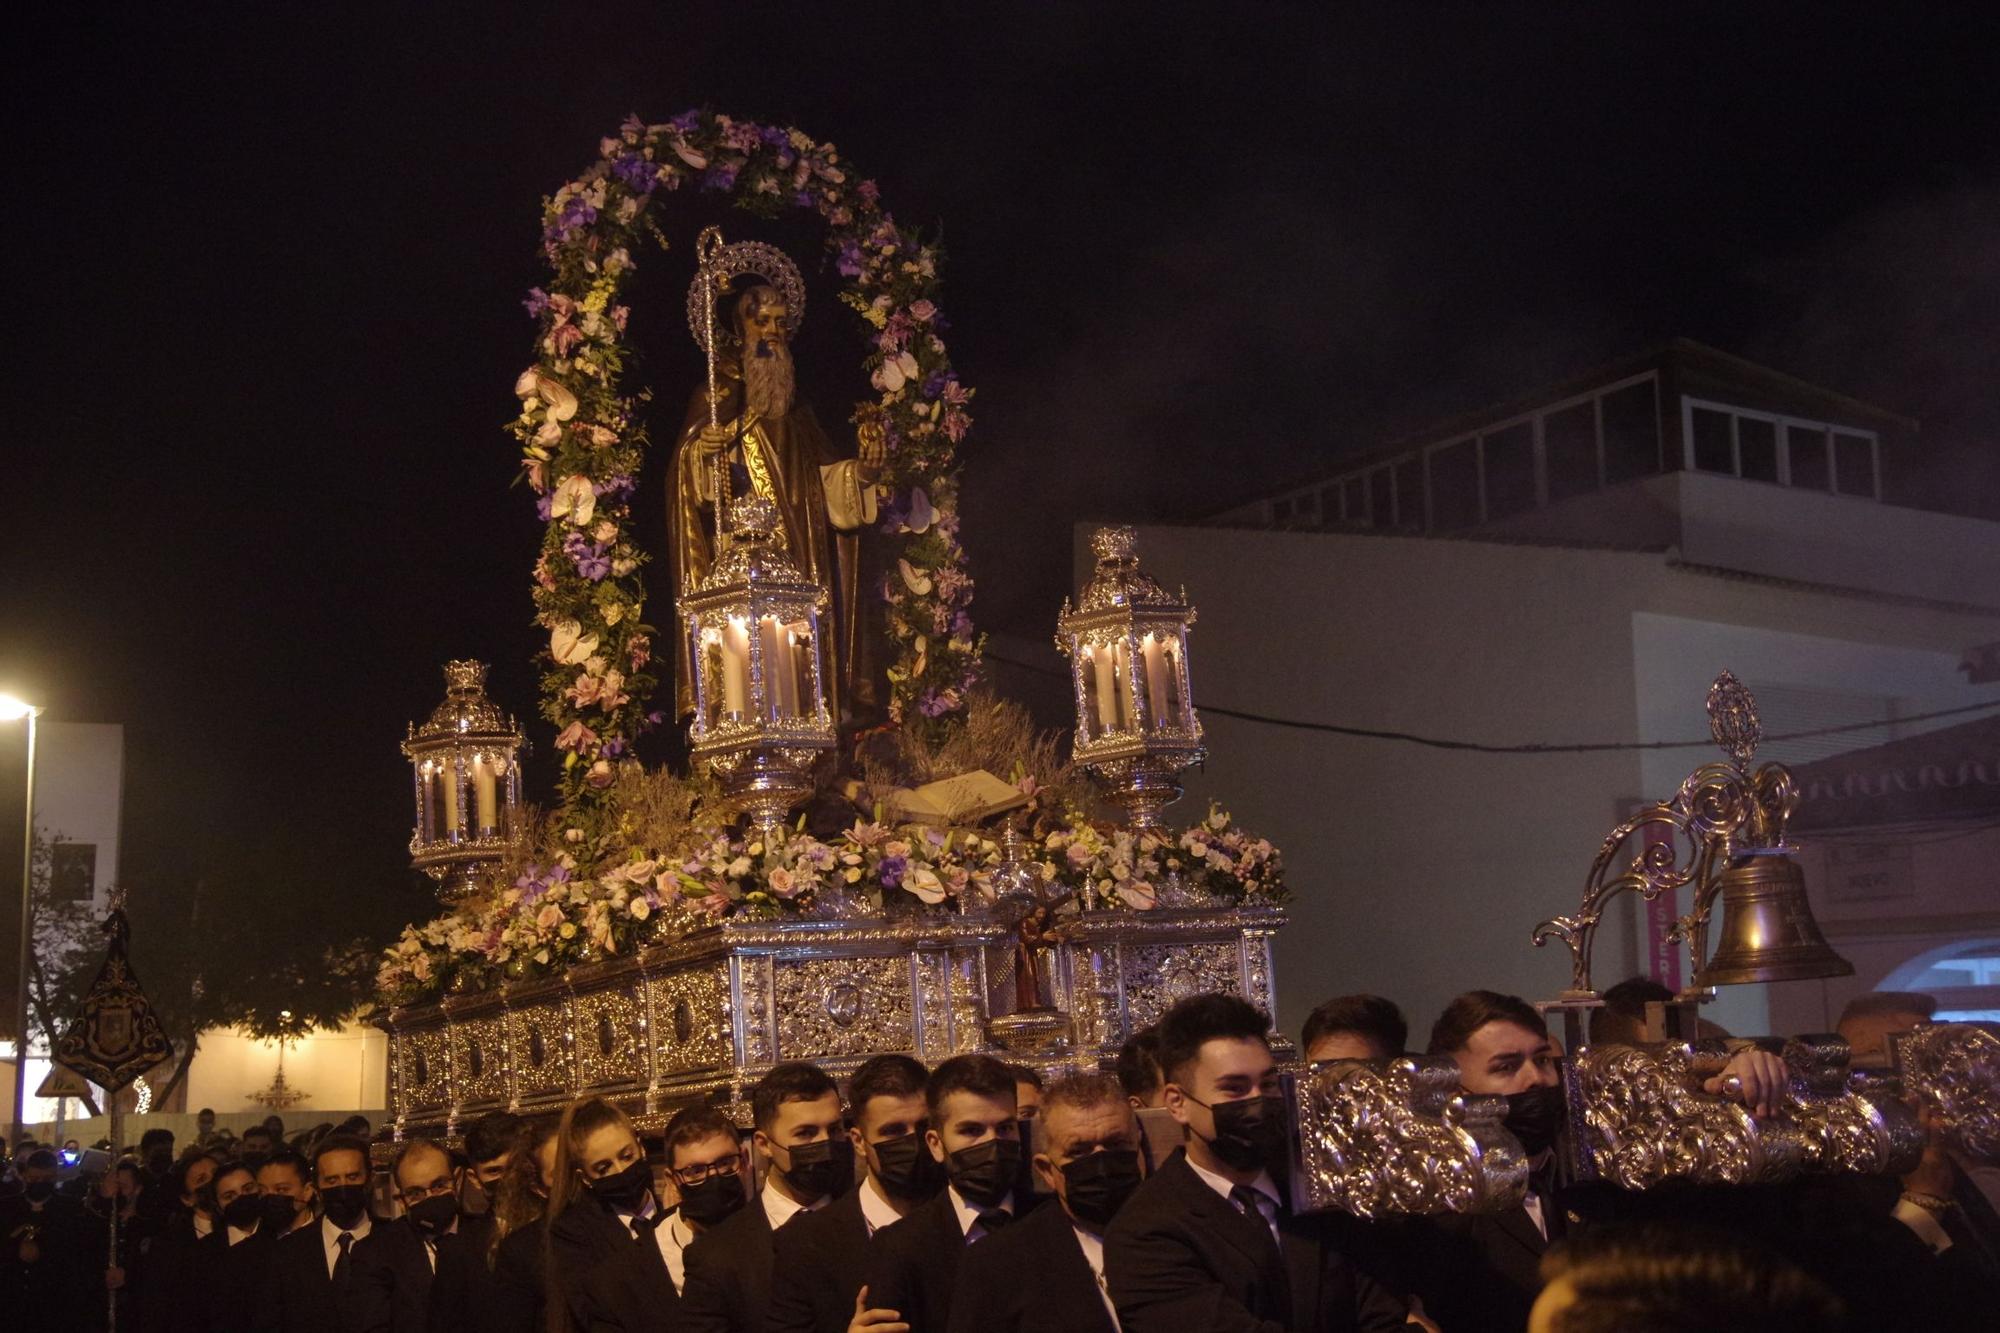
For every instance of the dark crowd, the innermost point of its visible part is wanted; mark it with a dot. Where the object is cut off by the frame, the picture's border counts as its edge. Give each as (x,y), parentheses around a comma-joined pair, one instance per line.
(971,1197)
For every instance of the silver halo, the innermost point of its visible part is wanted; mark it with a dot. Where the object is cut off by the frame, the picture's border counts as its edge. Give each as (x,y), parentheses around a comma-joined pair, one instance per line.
(737,258)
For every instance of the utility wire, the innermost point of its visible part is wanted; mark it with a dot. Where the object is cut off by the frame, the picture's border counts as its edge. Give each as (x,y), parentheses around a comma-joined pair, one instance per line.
(1533,747)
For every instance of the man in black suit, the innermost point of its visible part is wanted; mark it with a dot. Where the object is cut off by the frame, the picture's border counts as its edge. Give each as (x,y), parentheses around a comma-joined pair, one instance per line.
(820,1257)
(236,1256)
(796,1108)
(913,1264)
(490,1145)
(396,1267)
(1208,1242)
(1480,1272)
(176,1297)
(1047,1274)
(48,1281)
(641,1287)
(313,1265)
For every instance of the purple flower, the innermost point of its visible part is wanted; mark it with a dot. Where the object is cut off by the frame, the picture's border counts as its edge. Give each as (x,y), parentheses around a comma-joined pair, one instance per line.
(961,626)
(537,302)
(895,867)
(558,874)
(637,173)
(934,704)
(619,487)
(544,505)
(686,120)
(594,564)
(803,199)
(848,260)
(934,383)
(576,213)
(719,178)
(613,747)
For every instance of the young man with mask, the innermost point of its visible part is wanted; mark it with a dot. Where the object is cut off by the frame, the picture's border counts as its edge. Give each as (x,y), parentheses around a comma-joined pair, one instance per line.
(1090,1161)
(46,1273)
(796,1109)
(396,1268)
(641,1288)
(176,1296)
(490,1145)
(236,1256)
(286,1180)
(313,1265)
(1208,1242)
(1481,1271)
(820,1256)
(913,1264)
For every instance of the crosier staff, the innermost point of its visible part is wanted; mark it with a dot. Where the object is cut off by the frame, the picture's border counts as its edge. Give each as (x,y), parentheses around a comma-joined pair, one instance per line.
(708,253)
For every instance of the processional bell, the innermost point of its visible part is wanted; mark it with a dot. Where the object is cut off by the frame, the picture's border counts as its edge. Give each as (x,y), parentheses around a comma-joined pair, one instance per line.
(1768,932)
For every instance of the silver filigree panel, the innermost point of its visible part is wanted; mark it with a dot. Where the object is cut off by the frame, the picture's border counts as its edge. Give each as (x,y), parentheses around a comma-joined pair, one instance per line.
(691,1026)
(479,1060)
(1157,976)
(538,1034)
(610,1037)
(842,1006)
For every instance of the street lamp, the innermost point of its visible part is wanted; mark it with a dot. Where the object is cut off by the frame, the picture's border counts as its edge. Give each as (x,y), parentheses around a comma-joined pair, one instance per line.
(13,710)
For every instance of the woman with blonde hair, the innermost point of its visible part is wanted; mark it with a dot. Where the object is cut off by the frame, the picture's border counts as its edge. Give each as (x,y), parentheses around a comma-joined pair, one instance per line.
(601,1202)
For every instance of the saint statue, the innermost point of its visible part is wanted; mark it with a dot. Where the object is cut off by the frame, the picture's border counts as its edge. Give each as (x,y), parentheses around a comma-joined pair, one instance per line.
(772,445)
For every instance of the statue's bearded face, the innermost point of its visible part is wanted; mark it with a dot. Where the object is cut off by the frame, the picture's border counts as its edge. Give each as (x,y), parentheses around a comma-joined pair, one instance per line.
(767,361)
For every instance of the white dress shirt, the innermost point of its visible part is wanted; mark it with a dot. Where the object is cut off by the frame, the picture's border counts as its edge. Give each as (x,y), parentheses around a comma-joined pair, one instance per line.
(237,1235)
(876,1210)
(329,1236)
(780,1208)
(968,1216)
(673,1237)
(1267,1193)
(1093,1254)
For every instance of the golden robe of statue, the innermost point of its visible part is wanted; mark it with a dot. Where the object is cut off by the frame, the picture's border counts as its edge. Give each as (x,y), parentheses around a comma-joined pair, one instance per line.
(775,448)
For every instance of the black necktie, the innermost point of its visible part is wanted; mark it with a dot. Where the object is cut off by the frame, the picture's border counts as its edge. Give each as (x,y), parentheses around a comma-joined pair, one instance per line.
(993,1219)
(345,1240)
(1251,1201)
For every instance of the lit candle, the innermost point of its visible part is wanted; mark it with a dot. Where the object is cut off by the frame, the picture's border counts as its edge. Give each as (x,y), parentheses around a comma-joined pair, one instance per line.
(1156,682)
(1107,697)
(735,667)
(1121,664)
(487,792)
(1174,696)
(448,779)
(778,700)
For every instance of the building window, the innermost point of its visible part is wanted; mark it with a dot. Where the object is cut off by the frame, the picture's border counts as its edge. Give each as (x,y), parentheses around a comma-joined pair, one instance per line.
(1631,433)
(1805,449)
(73,872)
(1709,442)
(1510,470)
(1807,455)
(1854,464)
(1454,486)
(1569,444)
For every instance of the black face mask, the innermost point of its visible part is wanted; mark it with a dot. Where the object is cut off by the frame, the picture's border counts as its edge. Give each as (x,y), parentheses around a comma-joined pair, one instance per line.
(244,1211)
(280,1211)
(344,1204)
(434,1216)
(1249,1132)
(159,1164)
(712,1200)
(624,1191)
(822,1168)
(1536,1117)
(1096,1187)
(908,1170)
(985,1172)
(39,1191)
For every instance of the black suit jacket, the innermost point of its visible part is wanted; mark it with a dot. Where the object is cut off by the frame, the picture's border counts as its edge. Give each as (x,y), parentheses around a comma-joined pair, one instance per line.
(519,1280)
(465,1289)
(176,1296)
(303,1295)
(54,1294)
(728,1281)
(1180,1257)
(583,1236)
(392,1280)
(1030,1277)
(1480,1272)
(631,1291)
(239,1279)
(913,1266)
(819,1261)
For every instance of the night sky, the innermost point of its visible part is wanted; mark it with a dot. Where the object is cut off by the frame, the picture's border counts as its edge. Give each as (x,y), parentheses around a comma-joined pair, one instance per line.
(267,265)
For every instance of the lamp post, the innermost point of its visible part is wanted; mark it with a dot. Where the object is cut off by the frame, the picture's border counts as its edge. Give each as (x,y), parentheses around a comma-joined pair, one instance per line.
(13,710)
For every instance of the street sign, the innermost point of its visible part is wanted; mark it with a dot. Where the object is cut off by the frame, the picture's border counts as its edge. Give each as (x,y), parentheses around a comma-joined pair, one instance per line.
(63,1083)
